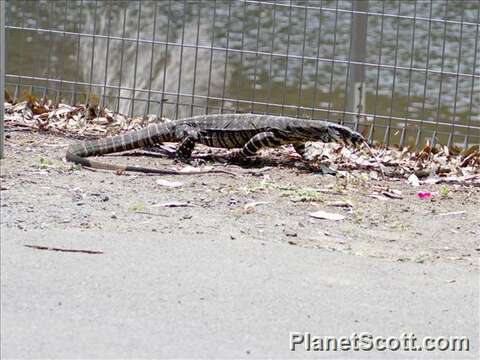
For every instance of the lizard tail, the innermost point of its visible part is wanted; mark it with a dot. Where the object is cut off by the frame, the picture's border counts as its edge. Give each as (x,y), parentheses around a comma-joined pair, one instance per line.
(115,167)
(78,153)
(122,168)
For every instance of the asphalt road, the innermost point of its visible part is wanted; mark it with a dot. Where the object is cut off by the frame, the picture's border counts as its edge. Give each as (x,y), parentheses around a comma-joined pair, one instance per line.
(150,295)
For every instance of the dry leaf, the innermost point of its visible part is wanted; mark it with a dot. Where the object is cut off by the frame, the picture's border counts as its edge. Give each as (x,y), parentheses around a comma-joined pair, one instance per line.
(254,204)
(413,180)
(171,184)
(452,213)
(379,197)
(250,207)
(393,194)
(327,216)
(346,204)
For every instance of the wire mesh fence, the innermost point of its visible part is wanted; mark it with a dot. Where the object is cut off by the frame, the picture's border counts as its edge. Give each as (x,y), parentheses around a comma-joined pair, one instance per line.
(400,72)
(2,74)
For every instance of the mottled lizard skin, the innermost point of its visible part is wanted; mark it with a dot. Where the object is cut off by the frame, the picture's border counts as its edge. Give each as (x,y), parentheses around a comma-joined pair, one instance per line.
(247,132)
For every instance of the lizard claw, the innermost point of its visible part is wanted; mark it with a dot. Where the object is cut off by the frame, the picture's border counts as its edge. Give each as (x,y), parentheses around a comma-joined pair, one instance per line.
(197,162)
(236,155)
(193,162)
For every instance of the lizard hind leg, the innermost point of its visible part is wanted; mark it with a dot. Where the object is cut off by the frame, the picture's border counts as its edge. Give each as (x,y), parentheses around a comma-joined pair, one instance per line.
(259,141)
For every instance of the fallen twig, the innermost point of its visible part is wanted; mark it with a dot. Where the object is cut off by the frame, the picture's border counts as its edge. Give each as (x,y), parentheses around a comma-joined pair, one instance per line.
(452,213)
(375,157)
(150,213)
(39,247)
(473,180)
(174,204)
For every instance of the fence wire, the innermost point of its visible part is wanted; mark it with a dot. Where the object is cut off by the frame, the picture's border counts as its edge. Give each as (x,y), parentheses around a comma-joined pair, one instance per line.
(400,72)
(2,75)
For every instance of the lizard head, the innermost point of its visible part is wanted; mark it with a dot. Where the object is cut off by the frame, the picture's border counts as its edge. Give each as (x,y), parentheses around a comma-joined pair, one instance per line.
(323,131)
(343,133)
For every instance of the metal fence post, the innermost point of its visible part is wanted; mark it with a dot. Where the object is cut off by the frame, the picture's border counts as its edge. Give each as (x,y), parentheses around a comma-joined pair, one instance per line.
(356,85)
(2,74)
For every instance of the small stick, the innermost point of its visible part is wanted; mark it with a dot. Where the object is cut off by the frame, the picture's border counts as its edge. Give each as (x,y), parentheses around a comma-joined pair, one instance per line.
(149,213)
(375,157)
(63,250)
(201,172)
(452,213)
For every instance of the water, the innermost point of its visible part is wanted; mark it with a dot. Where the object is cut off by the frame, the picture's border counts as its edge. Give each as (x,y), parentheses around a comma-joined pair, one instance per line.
(256,80)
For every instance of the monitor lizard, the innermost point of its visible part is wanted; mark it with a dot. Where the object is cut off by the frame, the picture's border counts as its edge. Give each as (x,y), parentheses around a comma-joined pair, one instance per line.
(247,132)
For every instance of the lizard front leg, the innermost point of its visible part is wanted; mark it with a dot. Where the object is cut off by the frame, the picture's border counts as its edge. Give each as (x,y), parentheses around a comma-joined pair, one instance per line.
(189,136)
(300,149)
(185,148)
(184,151)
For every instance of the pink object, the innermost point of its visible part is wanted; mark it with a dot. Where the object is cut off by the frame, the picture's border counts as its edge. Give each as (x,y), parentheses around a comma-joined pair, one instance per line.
(424,194)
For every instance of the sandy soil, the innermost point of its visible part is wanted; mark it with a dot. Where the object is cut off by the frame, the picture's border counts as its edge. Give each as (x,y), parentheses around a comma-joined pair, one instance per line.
(41,191)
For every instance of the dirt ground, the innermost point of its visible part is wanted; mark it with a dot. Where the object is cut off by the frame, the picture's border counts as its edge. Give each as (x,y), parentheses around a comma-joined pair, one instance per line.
(39,190)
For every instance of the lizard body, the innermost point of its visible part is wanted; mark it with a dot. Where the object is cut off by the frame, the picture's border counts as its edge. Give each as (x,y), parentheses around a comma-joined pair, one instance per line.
(247,132)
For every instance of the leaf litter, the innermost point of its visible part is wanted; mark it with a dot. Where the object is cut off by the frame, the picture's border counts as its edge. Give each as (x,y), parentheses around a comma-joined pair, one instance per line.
(430,165)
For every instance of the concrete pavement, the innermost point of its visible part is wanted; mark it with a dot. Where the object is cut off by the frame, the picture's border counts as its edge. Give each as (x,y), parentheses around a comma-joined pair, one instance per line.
(151,295)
